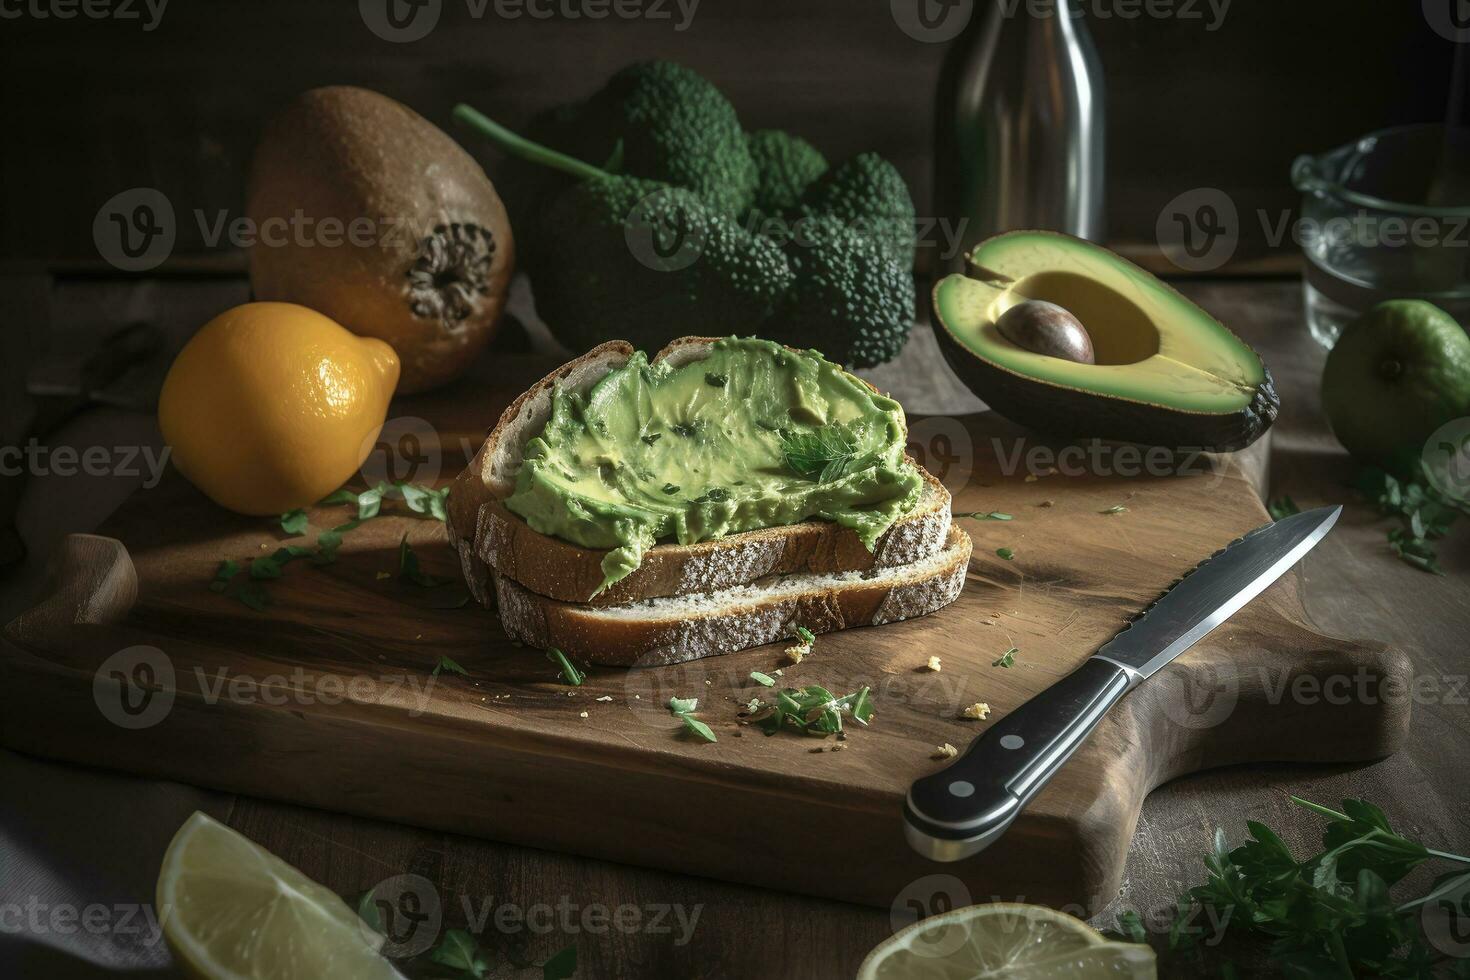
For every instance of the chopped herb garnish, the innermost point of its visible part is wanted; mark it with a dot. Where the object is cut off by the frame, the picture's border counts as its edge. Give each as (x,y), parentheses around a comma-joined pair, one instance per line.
(716,380)
(814,710)
(1282,507)
(408,567)
(824,455)
(458,950)
(993,515)
(569,672)
(1425,515)
(683,708)
(1007,659)
(1115,509)
(698,727)
(713,494)
(683,431)
(449,664)
(805,635)
(652,437)
(562,966)
(252,595)
(228,569)
(671,488)
(1005,553)
(765,680)
(294,521)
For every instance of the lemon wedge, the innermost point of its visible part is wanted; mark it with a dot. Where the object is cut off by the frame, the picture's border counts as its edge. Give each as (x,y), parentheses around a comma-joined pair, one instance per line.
(232,910)
(1005,940)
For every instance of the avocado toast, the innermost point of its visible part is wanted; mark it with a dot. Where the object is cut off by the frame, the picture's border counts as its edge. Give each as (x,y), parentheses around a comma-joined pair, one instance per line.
(794,505)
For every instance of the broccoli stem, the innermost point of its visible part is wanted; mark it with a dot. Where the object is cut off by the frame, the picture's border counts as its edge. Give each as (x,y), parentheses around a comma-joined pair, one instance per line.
(517,145)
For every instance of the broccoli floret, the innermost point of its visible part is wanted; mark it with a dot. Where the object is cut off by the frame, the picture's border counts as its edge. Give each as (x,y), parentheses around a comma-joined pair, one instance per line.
(675,127)
(868,194)
(785,166)
(850,299)
(645,262)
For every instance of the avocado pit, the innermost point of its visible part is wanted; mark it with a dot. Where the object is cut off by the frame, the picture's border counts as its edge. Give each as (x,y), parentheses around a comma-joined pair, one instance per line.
(1046,328)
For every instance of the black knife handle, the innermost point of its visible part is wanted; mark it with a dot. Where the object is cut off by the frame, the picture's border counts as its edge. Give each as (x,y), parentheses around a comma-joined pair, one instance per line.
(961,809)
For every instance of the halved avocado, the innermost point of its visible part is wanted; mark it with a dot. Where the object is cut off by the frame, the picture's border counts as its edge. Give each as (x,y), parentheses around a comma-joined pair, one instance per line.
(1167,373)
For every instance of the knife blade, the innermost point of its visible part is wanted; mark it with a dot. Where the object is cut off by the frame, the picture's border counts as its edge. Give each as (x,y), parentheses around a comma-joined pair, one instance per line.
(965,807)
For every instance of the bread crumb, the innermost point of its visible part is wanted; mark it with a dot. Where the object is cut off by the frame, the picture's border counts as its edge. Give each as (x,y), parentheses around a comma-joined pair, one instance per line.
(979,711)
(1047,503)
(838,747)
(383,575)
(933,665)
(945,751)
(1030,478)
(797,652)
(582,715)
(605,697)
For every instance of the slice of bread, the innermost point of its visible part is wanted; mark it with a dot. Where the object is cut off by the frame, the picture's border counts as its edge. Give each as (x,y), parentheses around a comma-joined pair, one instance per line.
(490,537)
(669,630)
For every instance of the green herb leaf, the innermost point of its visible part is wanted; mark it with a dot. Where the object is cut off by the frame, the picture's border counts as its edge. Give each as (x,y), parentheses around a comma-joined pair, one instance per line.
(408,567)
(425,500)
(339,497)
(459,951)
(1282,507)
(1007,659)
(294,521)
(228,569)
(824,455)
(369,913)
(682,706)
(569,673)
(448,663)
(561,966)
(1115,509)
(805,635)
(765,680)
(650,439)
(1005,553)
(993,515)
(716,380)
(699,728)
(671,488)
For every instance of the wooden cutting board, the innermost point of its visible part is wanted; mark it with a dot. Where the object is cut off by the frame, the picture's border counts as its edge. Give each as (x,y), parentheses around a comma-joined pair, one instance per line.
(327,698)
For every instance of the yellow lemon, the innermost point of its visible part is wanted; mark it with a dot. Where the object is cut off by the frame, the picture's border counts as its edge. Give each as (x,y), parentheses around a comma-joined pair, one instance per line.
(272,406)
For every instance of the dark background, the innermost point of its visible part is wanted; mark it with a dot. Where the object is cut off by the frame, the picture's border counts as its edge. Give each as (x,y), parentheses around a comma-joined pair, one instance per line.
(94,107)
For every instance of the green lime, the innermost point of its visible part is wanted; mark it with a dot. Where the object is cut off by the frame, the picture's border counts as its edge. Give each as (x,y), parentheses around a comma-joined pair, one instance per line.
(1400,371)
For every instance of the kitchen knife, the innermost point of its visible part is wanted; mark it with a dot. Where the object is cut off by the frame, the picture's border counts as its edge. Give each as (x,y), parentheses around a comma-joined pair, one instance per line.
(964,808)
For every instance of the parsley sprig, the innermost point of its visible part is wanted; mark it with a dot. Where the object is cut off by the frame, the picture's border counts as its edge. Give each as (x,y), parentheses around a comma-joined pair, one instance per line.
(467,955)
(1424,513)
(1331,915)
(824,454)
(683,709)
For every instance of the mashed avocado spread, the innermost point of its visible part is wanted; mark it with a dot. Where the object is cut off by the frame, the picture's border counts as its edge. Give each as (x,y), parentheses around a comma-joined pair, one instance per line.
(752,436)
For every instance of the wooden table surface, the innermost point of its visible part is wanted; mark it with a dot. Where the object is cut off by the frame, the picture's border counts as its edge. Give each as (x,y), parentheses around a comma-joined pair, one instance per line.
(1354,587)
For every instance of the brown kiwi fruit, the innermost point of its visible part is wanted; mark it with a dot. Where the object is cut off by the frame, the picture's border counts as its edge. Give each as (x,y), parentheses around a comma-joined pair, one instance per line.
(368,213)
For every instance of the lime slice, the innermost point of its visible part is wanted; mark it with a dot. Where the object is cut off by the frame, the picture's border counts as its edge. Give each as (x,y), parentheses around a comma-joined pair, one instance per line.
(232,910)
(1017,942)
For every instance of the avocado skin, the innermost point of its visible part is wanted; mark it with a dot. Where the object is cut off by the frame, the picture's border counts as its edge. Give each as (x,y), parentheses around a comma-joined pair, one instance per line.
(1069,412)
